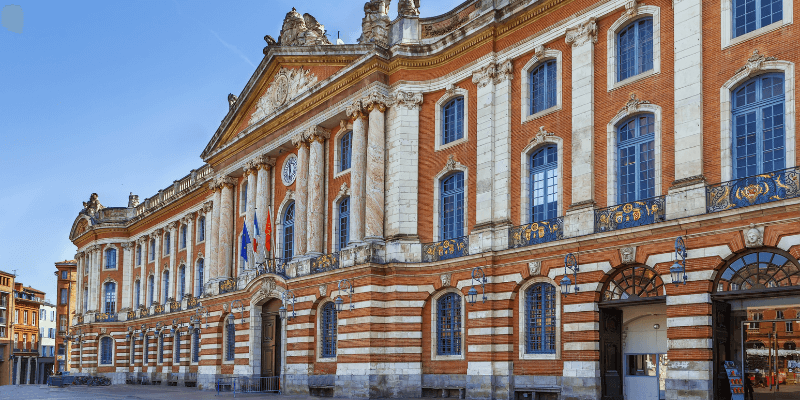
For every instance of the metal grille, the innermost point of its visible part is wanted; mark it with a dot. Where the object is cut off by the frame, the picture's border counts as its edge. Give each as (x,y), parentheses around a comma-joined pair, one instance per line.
(195,345)
(329,325)
(346,151)
(448,325)
(634,282)
(760,270)
(106,345)
(230,339)
(540,320)
(453,120)
(161,348)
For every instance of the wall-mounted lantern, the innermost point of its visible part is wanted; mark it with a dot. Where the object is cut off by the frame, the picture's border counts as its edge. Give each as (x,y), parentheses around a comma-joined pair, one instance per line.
(570,264)
(339,302)
(472,294)
(678,269)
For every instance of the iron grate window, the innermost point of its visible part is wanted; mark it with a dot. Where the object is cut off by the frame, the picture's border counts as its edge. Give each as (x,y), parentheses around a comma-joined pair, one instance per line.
(544,86)
(452,214)
(453,121)
(200,271)
(749,15)
(544,184)
(133,350)
(160,348)
(288,233)
(195,345)
(344,223)
(111,297)
(448,325)
(106,347)
(540,319)
(346,152)
(230,339)
(635,49)
(636,155)
(758,124)
(329,327)
(146,352)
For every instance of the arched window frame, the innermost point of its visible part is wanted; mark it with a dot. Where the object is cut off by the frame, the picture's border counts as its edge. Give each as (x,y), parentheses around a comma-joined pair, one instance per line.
(657,280)
(195,345)
(523,314)
(200,277)
(166,243)
(182,281)
(201,229)
(106,350)
(612,171)
(340,150)
(435,356)
(726,115)
(229,339)
(110,296)
(458,229)
(243,197)
(536,145)
(437,197)
(542,55)
(328,331)
(164,286)
(110,257)
(184,232)
(451,93)
(612,74)
(727,25)
(734,258)
(152,249)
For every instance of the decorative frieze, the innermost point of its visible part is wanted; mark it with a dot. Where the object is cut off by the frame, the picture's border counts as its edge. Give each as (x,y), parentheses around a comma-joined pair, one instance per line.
(583,33)
(409,100)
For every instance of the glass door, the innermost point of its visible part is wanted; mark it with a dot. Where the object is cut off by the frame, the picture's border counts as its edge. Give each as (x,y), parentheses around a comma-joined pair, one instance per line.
(769,350)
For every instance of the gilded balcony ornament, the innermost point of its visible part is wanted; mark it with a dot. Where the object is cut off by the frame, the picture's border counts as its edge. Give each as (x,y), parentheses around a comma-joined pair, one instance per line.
(535,233)
(158,309)
(192,302)
(228,285)
(636,213)
(131,315)
(445,249)
(325,263)
(753,190)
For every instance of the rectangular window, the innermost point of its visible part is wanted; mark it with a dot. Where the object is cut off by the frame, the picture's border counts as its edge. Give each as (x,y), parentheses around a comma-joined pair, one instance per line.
(61,350)
(166,243)
(635,49)
(642,364)
(177,352)
(183,236)
(65,275)
(453,120)
(25,341)
(452,207)
(544,87)
(52,316)
(749,15)
(63,298)
(138,255)
(33,319)
(25,318)
(62,319)
(195,345)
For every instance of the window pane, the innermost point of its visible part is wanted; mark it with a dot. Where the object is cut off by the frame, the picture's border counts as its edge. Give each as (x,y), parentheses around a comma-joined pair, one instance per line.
(453,120)
(744,16)
(645,48)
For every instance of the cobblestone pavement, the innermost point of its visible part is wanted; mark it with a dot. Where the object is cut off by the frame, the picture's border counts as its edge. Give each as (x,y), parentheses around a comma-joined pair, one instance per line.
(126,392)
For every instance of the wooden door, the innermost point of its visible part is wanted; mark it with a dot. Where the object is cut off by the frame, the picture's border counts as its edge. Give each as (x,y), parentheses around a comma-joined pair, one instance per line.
(269,345)
(611,354)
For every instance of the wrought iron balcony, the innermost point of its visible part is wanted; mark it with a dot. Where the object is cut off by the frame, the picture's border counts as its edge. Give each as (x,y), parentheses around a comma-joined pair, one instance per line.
(174,306)
(275,266)
(228,285)
(628,215)
(192,302)
(159,309)
(131,315)
(535,233)
(445,249)
(752,190)
(144,312)
(325,263)
(105,317)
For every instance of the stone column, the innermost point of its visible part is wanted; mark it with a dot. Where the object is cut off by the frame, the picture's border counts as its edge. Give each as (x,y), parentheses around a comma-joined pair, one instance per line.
(263,194)
(94,262)
(80,259)
(188,219)
(501,200)
(687,195)
(580,217)
(301,194)
(174,228)
(226,227)
(156,236)
(250,170)
(212,232)
(316,187)
(403,182)
(484,174)
(143,272)
(127,274)
(375,168)
(357,173)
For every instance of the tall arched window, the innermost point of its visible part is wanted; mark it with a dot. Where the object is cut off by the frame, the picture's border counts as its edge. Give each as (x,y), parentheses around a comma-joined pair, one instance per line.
(164,287)
(200,277)
(181,282)
(243,201)
(138,255)
(152,249)
(146,352)
(85,299)
(544,86)
(132,353)
(344,223)
(288,232)
(230,338)
(110,289)
(328,326)
(452,206)
(176,349)
(540,319)
(636,155)
(166,243)
(195,345)
(346,151)
(760,270)
(544,184)
(759,135)
(749,15)
(201,229)
(183,236)
(137,292)
(160,348)
(106,350)
(635,48)
(151,289)
(453,121)
(111,258)
(448,325)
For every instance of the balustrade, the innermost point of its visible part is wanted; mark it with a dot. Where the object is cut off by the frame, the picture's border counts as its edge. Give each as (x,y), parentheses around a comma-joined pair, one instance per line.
(628,215)
(752,190)
(445,249)
(536,233)
(131,315)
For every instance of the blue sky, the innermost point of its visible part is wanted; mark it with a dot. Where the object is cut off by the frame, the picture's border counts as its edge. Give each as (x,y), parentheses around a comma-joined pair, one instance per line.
(118,97)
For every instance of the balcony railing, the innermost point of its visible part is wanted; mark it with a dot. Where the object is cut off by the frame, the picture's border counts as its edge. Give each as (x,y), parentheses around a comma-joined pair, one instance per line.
(445,249)
(536,233)
(158,309)
(131,315)
(105,317)
(174,306)
(144,312)
(325,263)
(275,266)
(628,215)
(752,190)
(192,302)
(228,285)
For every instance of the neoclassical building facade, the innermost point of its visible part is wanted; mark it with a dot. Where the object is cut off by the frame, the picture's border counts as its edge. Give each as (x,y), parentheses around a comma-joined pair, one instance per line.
(547,199)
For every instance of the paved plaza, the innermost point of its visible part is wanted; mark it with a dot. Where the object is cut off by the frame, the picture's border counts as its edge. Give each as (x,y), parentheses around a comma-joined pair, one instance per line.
(127,392)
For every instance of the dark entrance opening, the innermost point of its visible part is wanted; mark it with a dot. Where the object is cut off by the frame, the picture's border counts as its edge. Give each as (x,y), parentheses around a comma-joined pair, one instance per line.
(271,339)
(611,353)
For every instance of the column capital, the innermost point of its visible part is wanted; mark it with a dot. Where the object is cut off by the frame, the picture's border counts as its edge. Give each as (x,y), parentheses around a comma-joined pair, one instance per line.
(504,70)
(355,110)
(299,139)
(207,207)
(128,245)
(251,166)
(266,163)
(584,32)
(225,181)
(174,225)
(189,217)
(409,100)
(375,100)
(484,76)
(317,133)
(156,234)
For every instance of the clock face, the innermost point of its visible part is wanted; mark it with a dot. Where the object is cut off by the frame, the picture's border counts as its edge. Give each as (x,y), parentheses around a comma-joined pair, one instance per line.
(289,172)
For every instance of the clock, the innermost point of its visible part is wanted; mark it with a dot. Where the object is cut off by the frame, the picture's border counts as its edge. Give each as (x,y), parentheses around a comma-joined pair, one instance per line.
(289,171)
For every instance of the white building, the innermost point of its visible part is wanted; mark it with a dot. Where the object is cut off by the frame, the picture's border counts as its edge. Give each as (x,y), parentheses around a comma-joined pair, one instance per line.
(47,341)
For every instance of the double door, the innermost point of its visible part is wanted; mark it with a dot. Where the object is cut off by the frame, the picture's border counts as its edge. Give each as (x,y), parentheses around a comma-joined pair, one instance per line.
(270,344)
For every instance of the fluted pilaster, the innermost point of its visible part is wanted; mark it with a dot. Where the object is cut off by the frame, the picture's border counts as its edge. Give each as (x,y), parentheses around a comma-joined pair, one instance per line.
(224,268)
(375,169)
(357,173)
(316,186)
(301,195)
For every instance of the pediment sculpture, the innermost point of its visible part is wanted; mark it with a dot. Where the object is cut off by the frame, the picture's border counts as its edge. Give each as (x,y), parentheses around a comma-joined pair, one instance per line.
(375,25)
(93,205)
(287,84)
(302,30)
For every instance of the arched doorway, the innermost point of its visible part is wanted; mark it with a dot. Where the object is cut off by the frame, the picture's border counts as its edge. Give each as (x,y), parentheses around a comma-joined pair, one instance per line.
(271,330)
(633,341)
(756,301)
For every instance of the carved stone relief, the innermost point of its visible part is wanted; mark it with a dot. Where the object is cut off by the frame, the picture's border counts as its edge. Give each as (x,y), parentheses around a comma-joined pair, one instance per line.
(753,236)
(541,136)
(287,84)
(409,100)
(93,205)
(582,33)
(628,254)
(534,268)
(323,290)
(408,8)
(632,105)
(445,279)
(302,30)
(755,63)
(375,26)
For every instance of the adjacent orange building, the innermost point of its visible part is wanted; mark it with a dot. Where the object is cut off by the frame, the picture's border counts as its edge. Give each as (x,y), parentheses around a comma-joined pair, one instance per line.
(27,303)
(6,327)
(65,309)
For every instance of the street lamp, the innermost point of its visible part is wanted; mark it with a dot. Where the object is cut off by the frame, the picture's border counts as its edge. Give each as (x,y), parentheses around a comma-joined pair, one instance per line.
(198,313)
(472,294)
(572,265)
(241,309)
(339,302)
(679,267)
(287,295)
